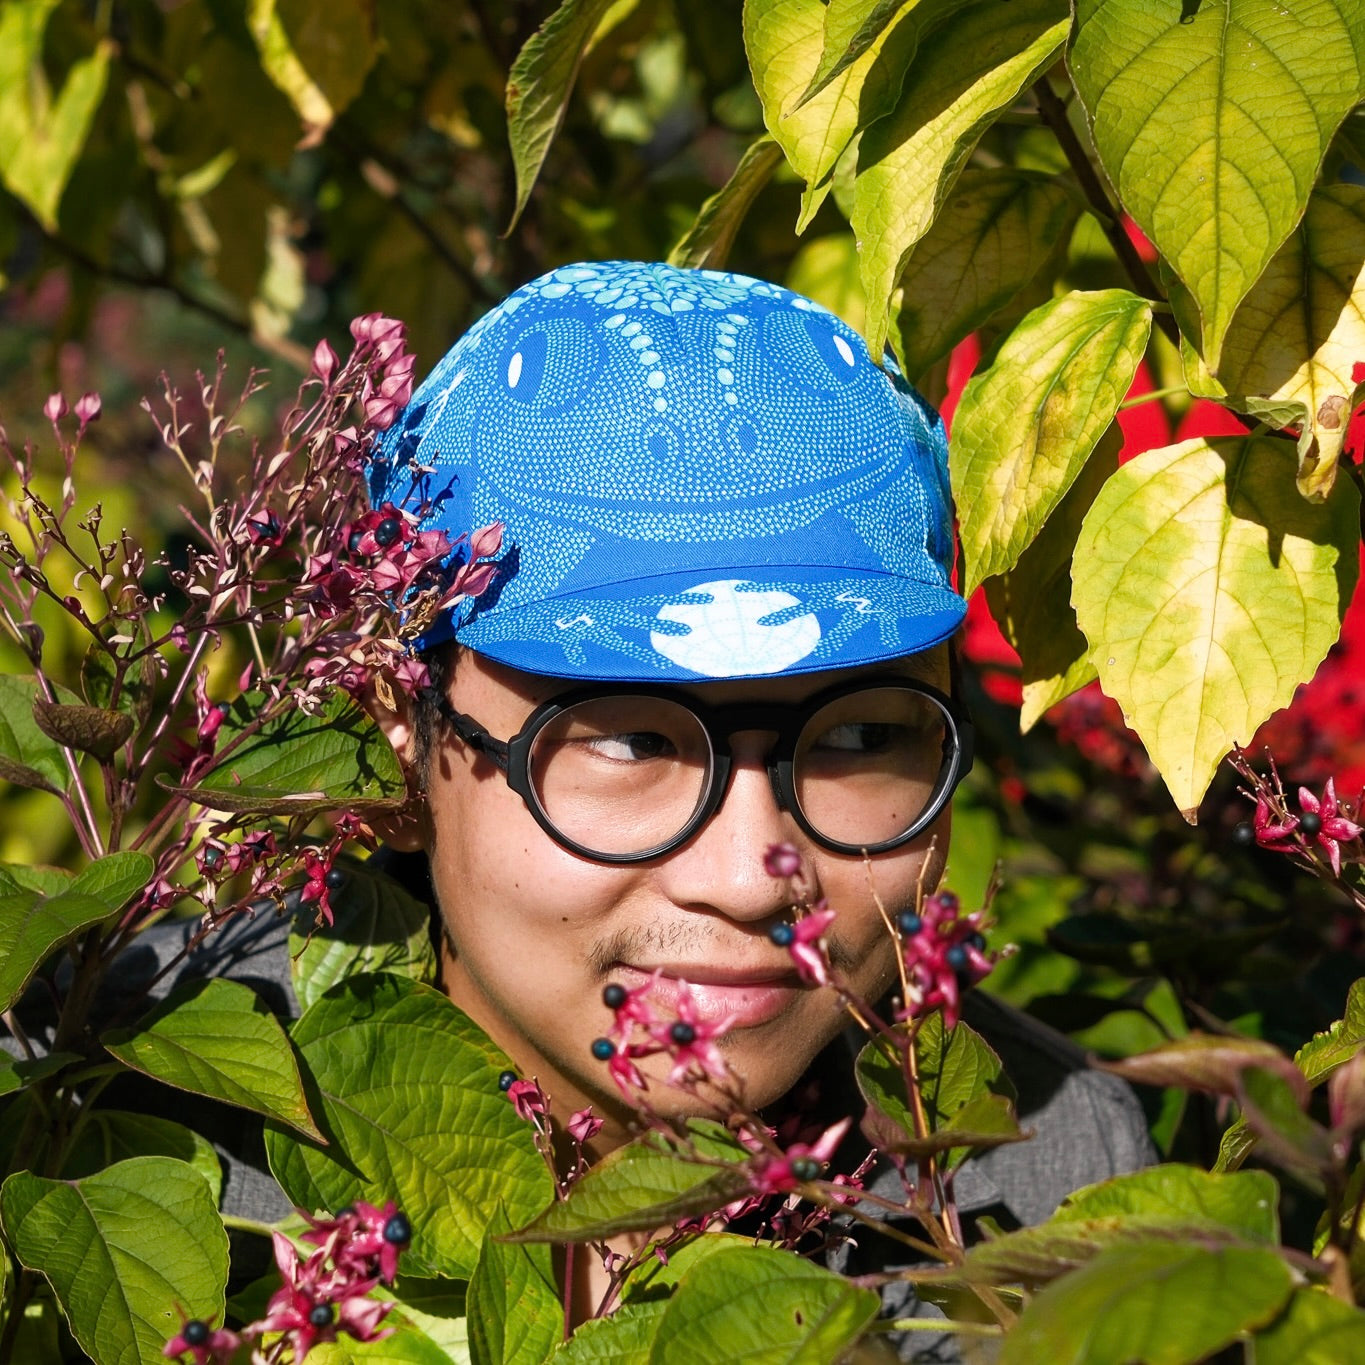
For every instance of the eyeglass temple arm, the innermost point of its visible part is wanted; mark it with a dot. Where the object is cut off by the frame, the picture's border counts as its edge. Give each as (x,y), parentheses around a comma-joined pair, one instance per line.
(470,731)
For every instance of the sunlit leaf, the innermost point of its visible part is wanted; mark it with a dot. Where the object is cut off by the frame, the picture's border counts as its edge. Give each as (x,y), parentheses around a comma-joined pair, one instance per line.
(708,241)
(1203,1061)
(515,1313)
(764,1307)
(1294,342)
(539,85)
(33,924)
(1208,590)
(1163,1303)
(217,1038)
(994,233)
(1032,602)
(300,764)
(407,1093)
(376,927)
(826,269)
(41,137)
(852,26)
(1272,1107)
(1324,1052)
(121,1250)
(964,73)
(318,52)
(624,1338)
(1026,426)
(1314,1329)
(18,1072)
(28,756)
(1212,120)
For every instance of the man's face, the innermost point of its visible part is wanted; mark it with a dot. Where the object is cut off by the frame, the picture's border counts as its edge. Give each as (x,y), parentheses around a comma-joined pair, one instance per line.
(535,932)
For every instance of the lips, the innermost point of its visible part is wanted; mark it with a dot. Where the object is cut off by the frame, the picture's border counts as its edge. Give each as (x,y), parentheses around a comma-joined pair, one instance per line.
(749,996)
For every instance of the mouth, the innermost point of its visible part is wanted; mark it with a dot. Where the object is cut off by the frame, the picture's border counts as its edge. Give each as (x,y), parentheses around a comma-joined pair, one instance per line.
(749,996)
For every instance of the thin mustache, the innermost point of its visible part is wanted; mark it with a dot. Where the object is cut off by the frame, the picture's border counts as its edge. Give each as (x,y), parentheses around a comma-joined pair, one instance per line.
(690,943)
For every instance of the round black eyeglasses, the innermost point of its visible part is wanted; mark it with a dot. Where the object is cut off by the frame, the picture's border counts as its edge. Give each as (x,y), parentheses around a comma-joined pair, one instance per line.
(625,774)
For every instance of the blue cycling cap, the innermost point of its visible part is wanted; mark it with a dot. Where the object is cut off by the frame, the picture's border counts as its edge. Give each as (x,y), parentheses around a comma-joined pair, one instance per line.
(701,475)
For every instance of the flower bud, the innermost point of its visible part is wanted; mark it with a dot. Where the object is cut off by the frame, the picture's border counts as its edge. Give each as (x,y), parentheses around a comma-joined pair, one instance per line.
(88,408)
(55,407)
(324,360)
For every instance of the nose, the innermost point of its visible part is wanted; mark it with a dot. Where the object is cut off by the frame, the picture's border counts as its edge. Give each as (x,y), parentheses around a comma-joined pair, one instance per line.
(720,869)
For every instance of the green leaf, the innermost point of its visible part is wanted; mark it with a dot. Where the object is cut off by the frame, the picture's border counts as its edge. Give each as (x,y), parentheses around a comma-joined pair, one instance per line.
(964,74)
(18,1072)
(86,729)
(33,924)
(1314,1329)
(995,232)
(318,52)
(1273,1110)
(764,1307)
(1208,590)
(376,927)
(1161,1303)
(121,1249)
(958,1070)
(1292,344)
(851,27)
(408,1345)
(642,1186)
(47,881)
(539,85)
(515,1313)
(1244,1204)
(217,1038)
(41,137)
(111,1135)
(987,1121)
(299,764)
(1203,1061)
(437,1309)
(1024,428)
(1213,128)
(1324,1052)
(407,1093)
(28,757)
(136,692)
(622,1339)
(1032,602)
(708,241)
(784,40)
(826,270)
(1236,1144)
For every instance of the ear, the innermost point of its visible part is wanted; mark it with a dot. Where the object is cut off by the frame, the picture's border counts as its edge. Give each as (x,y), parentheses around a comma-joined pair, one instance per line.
(395,714)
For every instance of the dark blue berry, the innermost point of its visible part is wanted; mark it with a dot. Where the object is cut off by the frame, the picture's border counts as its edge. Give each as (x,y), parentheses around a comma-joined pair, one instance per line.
(602,1049)
(1244,834)
(223,708)
(195,1332)
(805,1168)
(353,541)
(507,1080)
(614,995)
(321,1315)
(211,856)
(683,1034)
(949,900)
(783,935)
(398,1231)
(956,957)
(977,941)
(1310,824)
(335,879)
(908,922)
(387,532)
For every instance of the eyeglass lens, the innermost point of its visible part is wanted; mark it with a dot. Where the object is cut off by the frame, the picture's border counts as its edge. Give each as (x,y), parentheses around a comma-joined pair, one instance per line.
(622,775)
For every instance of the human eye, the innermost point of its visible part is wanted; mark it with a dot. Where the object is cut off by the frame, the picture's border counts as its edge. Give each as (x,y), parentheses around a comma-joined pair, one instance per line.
(631,746)
(857,737)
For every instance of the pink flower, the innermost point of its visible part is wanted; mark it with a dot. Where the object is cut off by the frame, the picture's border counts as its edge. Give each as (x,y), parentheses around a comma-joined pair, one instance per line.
(88,409)
(1322,822)
(807,947)
(55,408)
(527,1099)
(364,1240)
(208,1345)
(1272,833)
(318,887)
(624,1072)
(799,1164)
(324,360)
(486,541)
(412,675)
(944,954)
(313,1304)
(691,1040)
(584,1125)
(782,860)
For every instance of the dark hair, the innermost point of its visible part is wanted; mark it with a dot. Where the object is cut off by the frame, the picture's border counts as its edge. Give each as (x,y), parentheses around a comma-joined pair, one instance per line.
(440,662)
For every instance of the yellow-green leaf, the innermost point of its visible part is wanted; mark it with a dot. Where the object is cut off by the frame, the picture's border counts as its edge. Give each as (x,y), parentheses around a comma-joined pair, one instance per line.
(1212,120)
(1208,590)
(1025,427)
(318,52)
(539,85)
(995,233)
(1032,602)
(1298,335)
(708,241)
(785,40)
(826,270)
(41,137)
(964,74)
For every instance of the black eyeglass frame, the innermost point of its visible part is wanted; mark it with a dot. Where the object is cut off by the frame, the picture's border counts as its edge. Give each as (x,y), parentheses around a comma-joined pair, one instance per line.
(512,757)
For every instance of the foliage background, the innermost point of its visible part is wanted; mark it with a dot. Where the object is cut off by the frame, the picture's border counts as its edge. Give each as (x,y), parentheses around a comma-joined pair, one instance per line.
(250,174)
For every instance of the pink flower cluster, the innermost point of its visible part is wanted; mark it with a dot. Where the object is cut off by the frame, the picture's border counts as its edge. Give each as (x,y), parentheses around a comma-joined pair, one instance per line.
(1320,822)
(944,954)
(384,401)
(325,1294)
(639,1031)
